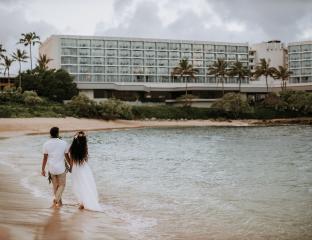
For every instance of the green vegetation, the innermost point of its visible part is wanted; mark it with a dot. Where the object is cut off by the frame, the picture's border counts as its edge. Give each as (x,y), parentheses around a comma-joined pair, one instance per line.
(231,106)
(56,85)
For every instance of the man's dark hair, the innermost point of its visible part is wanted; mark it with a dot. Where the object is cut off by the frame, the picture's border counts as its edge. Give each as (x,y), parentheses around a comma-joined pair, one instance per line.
(54,132)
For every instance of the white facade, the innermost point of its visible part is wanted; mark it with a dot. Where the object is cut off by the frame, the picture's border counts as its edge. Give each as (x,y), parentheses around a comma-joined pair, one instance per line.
(273,51)
(300,61)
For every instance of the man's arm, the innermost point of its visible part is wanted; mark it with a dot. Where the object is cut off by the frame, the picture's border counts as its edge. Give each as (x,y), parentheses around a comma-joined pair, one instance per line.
(44,163)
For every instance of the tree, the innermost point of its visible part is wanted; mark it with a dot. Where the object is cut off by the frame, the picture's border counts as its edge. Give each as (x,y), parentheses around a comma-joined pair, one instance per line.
(283,74)
(56,85)
(7,62)
(2,50)
(238,70)
(264,69)
(30,39)
(218,69)
(184,70)
(43,61)
(20,56)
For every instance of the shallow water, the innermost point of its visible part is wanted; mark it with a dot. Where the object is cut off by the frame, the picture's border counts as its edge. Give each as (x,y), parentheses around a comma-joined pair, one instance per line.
(193,183)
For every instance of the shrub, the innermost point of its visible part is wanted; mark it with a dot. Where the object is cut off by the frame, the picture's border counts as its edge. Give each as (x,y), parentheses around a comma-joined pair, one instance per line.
(11,96)
(233,104)
(31,98)
(113,109)
(82,106)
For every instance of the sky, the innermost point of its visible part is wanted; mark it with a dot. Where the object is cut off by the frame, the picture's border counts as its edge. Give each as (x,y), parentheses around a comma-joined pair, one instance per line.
(211,20)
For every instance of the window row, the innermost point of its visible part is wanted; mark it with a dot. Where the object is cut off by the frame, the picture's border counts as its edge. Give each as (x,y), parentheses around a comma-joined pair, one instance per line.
(151,54)
(87,43)
(142,78)
(135,62)
(298,56)
(300,48)
(124,70)
(299,64)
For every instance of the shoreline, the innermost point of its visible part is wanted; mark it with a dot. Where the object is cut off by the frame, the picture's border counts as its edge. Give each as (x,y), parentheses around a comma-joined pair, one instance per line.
(12,127)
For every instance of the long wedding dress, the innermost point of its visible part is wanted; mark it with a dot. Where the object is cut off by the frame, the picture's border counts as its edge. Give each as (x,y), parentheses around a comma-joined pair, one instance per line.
(84,187)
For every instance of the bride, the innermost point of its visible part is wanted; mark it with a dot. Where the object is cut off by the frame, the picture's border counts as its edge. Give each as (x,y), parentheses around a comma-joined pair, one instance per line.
(84,187)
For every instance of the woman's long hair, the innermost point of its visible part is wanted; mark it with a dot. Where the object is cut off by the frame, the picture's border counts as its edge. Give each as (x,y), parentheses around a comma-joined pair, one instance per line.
(79,148)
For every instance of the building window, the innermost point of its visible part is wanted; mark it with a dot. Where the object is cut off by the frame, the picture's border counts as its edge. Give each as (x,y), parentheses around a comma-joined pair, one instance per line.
(149,45)
(97,43)
(124,44)
(174,46)
(100,93)
(197,47)
(97,52)
(67,42)
(84,61)
(98,61)
(69,60)
(84,51)
(110,44)
(137,45)
(69,51)
(162,46)
(186,47)
(83,43)
(209,48)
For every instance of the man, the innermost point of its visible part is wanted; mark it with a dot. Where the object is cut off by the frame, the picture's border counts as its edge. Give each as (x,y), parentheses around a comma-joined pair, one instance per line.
(54,151)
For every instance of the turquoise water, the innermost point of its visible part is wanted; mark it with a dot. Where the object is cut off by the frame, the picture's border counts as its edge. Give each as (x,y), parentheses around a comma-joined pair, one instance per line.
(200,183)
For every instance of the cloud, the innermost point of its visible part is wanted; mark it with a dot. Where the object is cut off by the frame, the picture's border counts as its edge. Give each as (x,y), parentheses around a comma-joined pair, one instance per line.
(13,23)
(217,20)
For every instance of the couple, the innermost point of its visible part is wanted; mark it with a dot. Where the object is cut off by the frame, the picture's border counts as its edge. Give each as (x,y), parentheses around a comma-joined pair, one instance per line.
(55,150)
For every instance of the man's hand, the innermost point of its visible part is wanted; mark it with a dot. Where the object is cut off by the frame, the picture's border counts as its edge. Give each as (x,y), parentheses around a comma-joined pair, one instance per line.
(44,162)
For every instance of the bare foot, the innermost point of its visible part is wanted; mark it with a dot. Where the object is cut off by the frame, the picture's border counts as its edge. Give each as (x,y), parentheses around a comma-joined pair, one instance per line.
(81,207)
(57,206)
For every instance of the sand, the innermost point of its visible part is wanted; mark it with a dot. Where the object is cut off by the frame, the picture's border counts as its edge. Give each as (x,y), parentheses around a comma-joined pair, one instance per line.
(19,126)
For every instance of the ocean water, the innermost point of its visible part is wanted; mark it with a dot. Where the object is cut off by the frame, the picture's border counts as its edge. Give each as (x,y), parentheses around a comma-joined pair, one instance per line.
(192,183)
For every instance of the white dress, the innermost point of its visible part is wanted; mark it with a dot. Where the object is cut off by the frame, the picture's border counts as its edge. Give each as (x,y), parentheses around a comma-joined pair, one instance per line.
(84,187)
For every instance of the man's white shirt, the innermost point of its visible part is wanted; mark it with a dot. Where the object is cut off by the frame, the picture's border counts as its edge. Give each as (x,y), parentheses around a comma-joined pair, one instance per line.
(56,149)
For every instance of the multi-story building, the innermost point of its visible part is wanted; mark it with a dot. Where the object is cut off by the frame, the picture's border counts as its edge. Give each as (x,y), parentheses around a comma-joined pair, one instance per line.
(101,65)
(300,61)
(273,51)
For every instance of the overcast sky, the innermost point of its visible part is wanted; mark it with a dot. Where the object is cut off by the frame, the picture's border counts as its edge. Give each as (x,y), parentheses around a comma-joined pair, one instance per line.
(213,20)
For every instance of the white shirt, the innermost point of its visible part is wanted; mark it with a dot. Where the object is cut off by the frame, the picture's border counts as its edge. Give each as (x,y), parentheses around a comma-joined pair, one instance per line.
(56,149)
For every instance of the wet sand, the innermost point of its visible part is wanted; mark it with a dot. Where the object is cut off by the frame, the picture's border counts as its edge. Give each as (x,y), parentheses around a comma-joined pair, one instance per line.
(23,216)
(20,126)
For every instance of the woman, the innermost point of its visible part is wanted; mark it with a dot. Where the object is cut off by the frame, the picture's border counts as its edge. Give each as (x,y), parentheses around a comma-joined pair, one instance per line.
(83,182)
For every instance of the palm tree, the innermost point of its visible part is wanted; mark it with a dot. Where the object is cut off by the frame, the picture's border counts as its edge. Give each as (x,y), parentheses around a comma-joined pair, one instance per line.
(184,70)
(2,50)
(7,62)
(264,69)
(20,56)
(282,73)
(30,39)
(43,61)
(237,69)
(218,69)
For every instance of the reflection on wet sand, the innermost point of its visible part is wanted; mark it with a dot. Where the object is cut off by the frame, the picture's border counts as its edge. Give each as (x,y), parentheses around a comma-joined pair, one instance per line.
(54,228)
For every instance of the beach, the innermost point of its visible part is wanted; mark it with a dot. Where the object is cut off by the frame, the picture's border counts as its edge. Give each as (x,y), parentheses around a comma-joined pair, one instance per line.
(21,126)
(24,216)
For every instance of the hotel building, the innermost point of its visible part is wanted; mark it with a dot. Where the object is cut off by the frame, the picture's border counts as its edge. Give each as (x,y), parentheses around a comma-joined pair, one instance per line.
(300,61)
(136,67)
